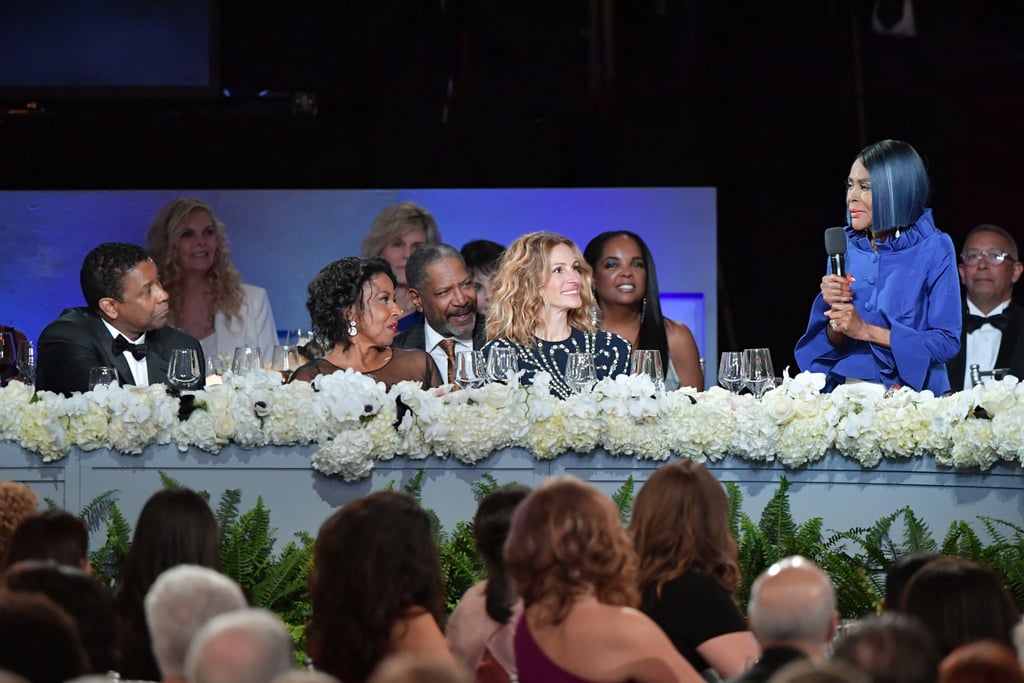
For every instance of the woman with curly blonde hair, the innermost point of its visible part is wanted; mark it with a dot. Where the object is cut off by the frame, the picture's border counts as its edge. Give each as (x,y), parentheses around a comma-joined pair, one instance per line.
(575,569)
(207,296)
(688,567)
(541,304)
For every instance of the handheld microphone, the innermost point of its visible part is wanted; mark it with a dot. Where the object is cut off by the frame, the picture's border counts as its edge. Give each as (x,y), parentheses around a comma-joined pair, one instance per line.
(835,245)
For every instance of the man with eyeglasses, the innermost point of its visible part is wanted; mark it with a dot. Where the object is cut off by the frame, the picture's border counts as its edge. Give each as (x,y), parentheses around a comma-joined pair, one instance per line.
(993,329)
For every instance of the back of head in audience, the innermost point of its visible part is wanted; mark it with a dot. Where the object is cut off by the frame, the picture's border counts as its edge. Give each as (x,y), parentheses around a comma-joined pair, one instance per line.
(490,529)
(985,661)
(17,501)
(81,596)
(960,601)
(891,648)
(305,676)
(38,640)
(793,604)
(51,535)
(803,671)
(249,645)
(899,574)
(567,540)
(358,597)
(180,602)
(411,668)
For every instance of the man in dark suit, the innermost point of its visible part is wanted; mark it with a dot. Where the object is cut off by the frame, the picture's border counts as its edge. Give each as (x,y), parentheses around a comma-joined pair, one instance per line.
(993,331)
(792,613)
(441,288)
(124,325)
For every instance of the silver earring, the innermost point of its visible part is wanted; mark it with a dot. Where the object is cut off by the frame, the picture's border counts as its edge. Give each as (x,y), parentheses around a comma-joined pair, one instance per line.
(351,328)
(643,310)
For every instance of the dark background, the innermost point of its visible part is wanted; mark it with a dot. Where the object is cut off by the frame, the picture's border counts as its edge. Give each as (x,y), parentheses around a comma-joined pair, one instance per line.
(768,102)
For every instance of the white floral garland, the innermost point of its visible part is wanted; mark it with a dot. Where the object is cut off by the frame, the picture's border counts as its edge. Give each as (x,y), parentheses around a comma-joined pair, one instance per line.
(356,421)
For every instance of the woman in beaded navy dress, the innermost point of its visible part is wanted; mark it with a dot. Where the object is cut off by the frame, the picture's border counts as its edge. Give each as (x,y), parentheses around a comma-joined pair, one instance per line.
(540,306)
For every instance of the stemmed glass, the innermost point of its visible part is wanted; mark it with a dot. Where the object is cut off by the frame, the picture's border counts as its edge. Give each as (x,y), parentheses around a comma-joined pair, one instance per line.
(758,373)
(246,358)
(8,358)
(502,364)
(730,371)
(102,374)
(27,361)
(648,362)
(580,373)
(470,369)
(183,372)
(285,360)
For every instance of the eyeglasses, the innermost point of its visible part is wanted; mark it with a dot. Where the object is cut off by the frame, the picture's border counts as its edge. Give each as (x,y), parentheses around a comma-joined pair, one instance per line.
(993,257)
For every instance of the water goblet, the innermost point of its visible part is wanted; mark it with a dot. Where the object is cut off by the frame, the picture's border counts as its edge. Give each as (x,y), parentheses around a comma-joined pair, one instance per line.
(102,375)
(648,362)
(26,356)
(470,369)
(580,374)
(730,371)
(758,373)
(8,354)
(246,358)
(285,360)
(502,364)
(183,371)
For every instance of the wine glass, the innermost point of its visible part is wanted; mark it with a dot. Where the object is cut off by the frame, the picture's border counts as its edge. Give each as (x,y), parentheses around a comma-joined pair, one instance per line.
(470,369)
(246,358)
(299,336)
(648,362)
(8,354)
(26,357)
(730,371)
(502,364)
(183,372)
(285,360)
(580,373)
(102,374)
(758,373)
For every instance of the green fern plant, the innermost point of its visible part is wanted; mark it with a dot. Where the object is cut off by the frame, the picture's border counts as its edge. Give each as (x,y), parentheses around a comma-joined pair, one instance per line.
(106,562)
(623,498)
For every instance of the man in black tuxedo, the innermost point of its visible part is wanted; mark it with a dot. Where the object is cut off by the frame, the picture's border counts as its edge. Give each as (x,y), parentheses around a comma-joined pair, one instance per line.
(124,325)
(441,288)
(993,330)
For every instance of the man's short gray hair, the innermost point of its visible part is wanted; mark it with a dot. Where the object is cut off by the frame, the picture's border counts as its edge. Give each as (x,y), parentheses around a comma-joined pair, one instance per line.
(422,257)
(793,600)
(180,602)
(246,646)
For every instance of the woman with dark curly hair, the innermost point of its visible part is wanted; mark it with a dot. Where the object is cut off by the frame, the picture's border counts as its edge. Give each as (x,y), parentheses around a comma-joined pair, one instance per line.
(354,316)
(688,567)
(376,587)
(176,526)
(575,569)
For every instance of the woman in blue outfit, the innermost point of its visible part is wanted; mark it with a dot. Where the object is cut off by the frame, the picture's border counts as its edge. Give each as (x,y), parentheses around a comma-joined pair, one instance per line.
(894,318)
(540,306)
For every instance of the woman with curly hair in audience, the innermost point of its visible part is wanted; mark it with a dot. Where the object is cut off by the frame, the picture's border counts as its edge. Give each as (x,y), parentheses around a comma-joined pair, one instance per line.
(376,587)
(688,567)
(176,526)
(575,569)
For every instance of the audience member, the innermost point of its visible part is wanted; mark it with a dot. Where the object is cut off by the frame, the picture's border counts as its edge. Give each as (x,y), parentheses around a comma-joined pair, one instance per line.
(305,676)
(441,289)
(575,569)
(386,598)
(50,535)
(10,677)
(626,289)
(893,318)
(38,639)
(175,526)
(482,257)
(993,330)
(688,567)
(123,325)
(81,596)
(394,235)
(540,308)
(354,316)
(411,668)
(984,661)
(208,299)
(792,613)
(481,629)
(803,671)
(960,601)
(248,645)
(17,502)
(890,648)
(898,575)
(181,601)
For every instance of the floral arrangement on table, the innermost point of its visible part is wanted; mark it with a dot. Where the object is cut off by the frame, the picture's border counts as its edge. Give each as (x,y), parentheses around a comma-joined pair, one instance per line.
(355,421)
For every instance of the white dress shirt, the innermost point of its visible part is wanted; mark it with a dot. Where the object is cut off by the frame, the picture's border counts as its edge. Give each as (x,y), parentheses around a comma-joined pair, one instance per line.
(431,343)
(982,345)
(139,368)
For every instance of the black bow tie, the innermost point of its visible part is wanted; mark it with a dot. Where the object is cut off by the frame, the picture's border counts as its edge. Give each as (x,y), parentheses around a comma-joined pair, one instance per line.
(998,321)
(121,345)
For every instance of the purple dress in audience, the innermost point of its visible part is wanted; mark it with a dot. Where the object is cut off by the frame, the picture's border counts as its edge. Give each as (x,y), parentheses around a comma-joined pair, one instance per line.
(533,665)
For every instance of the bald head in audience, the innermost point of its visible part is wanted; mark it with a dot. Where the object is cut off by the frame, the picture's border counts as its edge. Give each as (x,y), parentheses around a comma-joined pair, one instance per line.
(179,603)
(245,646)
(793,604)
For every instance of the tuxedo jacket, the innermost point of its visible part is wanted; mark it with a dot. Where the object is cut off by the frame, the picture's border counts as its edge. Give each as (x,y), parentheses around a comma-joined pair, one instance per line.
(78,341)
(416,337)
(1011,349)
